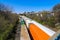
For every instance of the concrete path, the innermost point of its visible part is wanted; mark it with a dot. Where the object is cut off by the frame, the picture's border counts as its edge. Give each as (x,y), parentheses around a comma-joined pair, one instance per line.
(24,33)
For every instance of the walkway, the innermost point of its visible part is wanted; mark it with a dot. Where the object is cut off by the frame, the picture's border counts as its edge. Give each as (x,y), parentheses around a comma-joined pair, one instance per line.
(24,33)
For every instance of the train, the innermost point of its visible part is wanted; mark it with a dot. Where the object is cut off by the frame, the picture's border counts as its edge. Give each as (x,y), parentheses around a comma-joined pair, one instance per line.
(39,31)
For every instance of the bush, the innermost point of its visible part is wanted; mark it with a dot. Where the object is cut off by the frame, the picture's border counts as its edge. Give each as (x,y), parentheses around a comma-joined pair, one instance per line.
(7,22)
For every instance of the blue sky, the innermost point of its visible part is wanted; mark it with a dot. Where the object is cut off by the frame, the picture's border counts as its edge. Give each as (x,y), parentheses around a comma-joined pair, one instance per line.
(30,5)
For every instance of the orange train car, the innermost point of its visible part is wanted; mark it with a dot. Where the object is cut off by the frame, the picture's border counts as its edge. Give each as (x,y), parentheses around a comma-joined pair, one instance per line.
(38,31)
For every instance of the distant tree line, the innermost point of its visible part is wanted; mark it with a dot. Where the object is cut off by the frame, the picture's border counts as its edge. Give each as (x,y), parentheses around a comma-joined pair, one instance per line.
(50,18)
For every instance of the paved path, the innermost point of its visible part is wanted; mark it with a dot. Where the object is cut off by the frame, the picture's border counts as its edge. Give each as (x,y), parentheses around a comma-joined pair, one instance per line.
(24,33)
